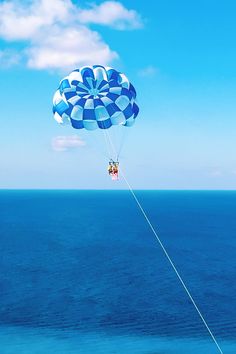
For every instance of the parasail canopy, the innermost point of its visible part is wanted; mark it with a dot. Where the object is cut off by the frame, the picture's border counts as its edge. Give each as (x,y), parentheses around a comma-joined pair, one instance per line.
(95,97)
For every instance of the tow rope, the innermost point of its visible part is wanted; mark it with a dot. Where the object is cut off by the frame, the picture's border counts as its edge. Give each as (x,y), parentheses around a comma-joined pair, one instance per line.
(165,252)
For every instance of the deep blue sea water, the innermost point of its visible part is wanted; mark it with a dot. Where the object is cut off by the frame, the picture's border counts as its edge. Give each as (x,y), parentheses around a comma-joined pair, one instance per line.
(81,272)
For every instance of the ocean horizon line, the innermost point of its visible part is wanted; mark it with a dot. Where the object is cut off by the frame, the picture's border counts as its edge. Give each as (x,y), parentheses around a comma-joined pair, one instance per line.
(118,190)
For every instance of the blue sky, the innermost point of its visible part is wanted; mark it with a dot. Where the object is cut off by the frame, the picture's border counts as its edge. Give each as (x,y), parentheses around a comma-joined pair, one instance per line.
(181,58)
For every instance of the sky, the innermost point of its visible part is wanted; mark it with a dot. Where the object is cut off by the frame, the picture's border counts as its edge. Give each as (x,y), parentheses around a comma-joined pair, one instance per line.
(179,55)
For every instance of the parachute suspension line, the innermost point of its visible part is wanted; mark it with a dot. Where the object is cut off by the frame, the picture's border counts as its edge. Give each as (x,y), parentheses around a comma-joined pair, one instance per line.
(112,147)
(96,144)
(168,257)
(123,138)
(107,143)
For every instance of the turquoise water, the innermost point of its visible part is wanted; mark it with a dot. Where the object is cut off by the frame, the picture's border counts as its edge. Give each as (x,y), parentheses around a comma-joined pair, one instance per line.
(82,273)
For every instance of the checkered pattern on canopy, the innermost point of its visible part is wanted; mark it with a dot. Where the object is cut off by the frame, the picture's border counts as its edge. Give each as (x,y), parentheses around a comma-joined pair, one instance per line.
(95,97)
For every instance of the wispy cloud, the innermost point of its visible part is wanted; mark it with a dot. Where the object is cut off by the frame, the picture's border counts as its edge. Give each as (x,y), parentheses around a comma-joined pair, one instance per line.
(9,58)
(65,143)
(56,32)
(113,14)
(148,71)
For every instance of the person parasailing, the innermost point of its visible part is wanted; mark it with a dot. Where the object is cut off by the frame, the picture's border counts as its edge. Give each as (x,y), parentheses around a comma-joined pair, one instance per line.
(116,170)
(110,167)
(113,169)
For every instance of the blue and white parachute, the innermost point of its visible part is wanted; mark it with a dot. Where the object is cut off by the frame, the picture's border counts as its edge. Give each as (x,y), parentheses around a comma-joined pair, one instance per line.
(95,97)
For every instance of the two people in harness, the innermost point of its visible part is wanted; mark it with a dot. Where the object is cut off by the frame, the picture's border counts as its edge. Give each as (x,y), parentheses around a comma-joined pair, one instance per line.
(113,169)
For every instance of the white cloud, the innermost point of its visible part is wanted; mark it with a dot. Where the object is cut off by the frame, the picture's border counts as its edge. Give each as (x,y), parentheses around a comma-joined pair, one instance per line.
(23,21)
(8,58)
(65,143)
(111,13)
(148,71)
(68,49)
(56,33)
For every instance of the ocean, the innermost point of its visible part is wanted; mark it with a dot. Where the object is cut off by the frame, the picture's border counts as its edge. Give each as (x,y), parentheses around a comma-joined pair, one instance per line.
(81,272)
